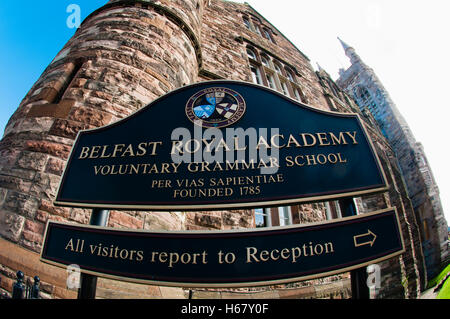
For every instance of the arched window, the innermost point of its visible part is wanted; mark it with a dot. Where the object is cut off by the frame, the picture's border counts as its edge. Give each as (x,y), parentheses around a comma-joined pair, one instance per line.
(284,88)
(271,81)
(297,94)
(290,75)
(362,96)
(277,68)
(247,23)
(251,54)
(256,74)
(265,60)
(268,35)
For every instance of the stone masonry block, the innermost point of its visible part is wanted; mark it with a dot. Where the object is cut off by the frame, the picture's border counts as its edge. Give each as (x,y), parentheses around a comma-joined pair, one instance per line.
(11,225)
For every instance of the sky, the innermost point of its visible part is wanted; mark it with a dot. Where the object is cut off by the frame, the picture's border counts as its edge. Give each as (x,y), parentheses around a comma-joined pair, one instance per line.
(406,42)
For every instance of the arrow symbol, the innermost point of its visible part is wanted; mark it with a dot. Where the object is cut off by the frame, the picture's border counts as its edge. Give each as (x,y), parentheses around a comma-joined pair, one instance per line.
(365,239)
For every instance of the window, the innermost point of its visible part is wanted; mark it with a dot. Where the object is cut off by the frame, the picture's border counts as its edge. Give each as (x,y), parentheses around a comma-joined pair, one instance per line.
(289,75)
(266,217)
(265,61)
(285,216)
(70,75)
(267,71)
(256,74)
(262,217)
(297,94)
(277,68)
(268,35)
(256,26)
(284,88)
(251,54)
(270,81)
(333,210)
(247,23)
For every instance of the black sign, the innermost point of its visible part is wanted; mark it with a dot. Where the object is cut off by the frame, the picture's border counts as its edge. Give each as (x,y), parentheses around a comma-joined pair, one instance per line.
(221,144)
(226,258)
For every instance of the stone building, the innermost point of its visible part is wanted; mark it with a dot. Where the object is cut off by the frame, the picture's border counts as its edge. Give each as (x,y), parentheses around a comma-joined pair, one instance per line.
(125,55)
(360,82)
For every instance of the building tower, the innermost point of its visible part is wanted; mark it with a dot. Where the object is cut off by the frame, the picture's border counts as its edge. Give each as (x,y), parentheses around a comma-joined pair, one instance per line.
(118,61)
(126,54)
(361,82)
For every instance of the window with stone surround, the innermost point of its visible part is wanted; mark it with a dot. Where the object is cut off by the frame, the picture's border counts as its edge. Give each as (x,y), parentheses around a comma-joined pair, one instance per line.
(267,217)
(262,217)
(267,33)
(284,216)
(69,76)
(247,23)
(333,210)
(269,71)
(254,24)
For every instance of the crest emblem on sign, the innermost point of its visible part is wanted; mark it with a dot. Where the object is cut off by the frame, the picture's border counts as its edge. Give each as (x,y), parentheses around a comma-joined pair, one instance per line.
(215,107)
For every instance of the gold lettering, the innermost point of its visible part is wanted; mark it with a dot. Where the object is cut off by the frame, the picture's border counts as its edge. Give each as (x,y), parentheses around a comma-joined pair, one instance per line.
(236,145)
(84,153)
(285,253)
(340,140)
(323,141)
(141,149)
(223,145)
(311,159)
(305,142)
(105,147)
(251,251)
(153,169)
(322,159)
(208,145)
(231,166)
(154,144)
(176,146)
(272,141)
(193,167)
(352,136)
(289,162)
(117,148)
(292,140)
(175,167)
(205,167)
(69,245)
(94,152)
(129,150)
(297,158)
(165,168)
(262,142)
(340,158)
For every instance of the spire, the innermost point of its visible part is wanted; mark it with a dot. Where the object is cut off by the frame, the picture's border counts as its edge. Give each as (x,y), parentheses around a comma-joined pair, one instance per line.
(344,45)
(350,52)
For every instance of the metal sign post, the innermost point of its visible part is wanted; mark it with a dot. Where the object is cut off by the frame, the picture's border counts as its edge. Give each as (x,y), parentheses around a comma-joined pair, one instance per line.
(360,290)
(88,283)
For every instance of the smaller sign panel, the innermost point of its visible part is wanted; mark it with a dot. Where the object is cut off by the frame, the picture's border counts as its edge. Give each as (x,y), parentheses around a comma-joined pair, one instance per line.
(226,258)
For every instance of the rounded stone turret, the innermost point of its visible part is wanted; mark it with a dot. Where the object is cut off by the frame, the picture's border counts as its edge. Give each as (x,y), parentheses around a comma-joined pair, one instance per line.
(123,56)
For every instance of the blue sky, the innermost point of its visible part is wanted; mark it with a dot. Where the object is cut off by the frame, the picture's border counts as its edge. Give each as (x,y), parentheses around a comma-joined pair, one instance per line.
(404,41)
(32,33)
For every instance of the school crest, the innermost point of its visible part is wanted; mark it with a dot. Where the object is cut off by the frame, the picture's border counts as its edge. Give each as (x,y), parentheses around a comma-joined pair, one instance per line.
(215,107)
